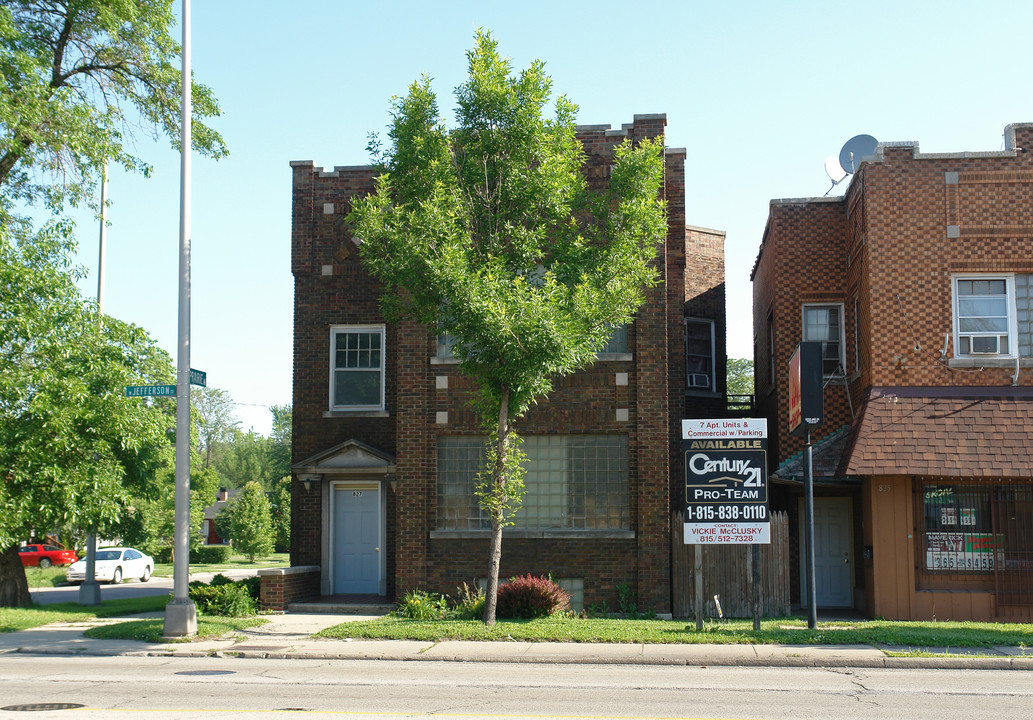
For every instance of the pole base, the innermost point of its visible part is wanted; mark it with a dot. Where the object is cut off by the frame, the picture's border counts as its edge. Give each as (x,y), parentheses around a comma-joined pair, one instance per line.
(180,619)
(89,593)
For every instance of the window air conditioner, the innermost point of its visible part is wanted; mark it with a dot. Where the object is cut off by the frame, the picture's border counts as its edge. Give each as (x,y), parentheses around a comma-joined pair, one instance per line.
(699,380)
(985,345)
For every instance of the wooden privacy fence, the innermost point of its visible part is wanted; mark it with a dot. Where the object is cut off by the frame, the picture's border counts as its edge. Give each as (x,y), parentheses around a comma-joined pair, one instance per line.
(727,572)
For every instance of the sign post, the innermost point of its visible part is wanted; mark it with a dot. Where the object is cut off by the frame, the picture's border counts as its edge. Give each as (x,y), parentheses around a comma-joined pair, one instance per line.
(807,410)
(726,490)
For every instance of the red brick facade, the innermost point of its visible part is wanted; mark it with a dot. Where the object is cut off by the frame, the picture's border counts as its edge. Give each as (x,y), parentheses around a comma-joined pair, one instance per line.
(889,253)
(640,394)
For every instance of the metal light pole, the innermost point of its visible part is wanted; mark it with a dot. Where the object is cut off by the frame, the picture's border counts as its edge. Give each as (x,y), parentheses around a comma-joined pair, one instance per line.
(181,613)
(89,591)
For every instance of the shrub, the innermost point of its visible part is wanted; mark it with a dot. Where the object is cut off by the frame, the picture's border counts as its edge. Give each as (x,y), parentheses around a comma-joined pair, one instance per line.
(469,604)
(211,554)
(227,599)
(220,579)
(530,597)
(419,605)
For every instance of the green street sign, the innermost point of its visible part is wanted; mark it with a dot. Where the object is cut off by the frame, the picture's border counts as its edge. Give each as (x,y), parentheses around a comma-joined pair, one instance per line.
(198,378)
(149,390)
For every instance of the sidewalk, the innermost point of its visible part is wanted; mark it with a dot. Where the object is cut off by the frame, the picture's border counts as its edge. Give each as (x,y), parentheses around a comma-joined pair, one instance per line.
(289,636)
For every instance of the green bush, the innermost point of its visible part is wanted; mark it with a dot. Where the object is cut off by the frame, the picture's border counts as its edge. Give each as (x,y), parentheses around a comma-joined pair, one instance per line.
(469,604)
(419,605)
(211,554)
(228,599)
(528,597)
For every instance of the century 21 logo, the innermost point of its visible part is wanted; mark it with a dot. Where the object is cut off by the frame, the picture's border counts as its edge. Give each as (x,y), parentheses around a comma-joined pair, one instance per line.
(701,464)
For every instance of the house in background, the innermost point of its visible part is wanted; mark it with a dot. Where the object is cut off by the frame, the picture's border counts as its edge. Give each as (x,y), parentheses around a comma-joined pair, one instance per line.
(222,499)
(386,447)
(918,284)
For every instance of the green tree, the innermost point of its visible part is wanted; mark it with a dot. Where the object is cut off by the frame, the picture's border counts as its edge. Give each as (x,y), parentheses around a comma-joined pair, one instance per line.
(243,458)
(215,416)
(739,376)
(79,77)
(489,232)
(72,446)
(281,510)
(280,452)
(251,522)
(150,523)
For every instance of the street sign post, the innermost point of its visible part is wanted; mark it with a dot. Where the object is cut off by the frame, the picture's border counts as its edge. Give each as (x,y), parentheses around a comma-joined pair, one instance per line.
(150,390)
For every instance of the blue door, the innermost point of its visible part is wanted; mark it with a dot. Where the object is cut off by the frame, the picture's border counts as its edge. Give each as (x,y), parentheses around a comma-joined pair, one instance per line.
(356,540)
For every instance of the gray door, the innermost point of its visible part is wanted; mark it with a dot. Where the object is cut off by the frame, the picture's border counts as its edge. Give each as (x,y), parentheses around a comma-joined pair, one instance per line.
(356,540)
(833,564)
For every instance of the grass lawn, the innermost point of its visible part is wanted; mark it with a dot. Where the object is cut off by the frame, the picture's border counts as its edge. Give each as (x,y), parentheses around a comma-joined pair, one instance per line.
(237,562)
(789,631)
(45,577)
(12,619)
(150,630)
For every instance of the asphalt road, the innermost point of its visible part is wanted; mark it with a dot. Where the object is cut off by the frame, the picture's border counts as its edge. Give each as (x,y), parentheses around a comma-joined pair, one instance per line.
(127,589)
(164,687)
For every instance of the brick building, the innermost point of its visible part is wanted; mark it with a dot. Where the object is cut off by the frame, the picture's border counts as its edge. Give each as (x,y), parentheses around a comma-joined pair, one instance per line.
(385,445)
(917,282)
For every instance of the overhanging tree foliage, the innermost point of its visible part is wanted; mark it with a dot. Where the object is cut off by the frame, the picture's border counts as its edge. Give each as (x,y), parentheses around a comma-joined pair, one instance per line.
(488,231)
(71,443)
(78,77)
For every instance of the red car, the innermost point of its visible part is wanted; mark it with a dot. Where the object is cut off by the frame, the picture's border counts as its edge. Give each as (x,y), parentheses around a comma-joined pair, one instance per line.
(45,556)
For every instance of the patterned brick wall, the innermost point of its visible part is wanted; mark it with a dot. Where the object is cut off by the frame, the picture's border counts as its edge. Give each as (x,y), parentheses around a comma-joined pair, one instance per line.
(888,251)
(331,287)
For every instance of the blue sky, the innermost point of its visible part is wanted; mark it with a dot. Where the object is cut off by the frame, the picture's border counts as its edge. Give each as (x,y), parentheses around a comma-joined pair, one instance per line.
(759,93)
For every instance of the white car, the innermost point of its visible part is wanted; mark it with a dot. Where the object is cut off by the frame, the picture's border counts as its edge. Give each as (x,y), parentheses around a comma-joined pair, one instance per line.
(114,565)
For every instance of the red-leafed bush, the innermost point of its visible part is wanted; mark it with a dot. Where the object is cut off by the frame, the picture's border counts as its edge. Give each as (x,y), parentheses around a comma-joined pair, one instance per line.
(530,597)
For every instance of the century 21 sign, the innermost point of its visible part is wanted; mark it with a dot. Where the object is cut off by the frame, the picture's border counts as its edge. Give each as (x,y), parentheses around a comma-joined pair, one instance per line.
(726,489)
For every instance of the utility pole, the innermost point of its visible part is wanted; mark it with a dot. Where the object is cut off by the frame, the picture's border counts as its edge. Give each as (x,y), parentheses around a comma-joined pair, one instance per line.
(89,591)
(181,613)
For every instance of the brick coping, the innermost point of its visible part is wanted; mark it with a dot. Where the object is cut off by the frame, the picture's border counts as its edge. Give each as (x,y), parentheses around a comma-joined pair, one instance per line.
(295,570)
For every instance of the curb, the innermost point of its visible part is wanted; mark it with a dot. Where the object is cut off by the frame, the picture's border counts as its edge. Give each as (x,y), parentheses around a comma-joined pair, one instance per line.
(888,663)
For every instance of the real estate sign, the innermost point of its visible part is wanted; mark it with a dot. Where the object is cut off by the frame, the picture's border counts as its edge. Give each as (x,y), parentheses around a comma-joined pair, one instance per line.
(726,481)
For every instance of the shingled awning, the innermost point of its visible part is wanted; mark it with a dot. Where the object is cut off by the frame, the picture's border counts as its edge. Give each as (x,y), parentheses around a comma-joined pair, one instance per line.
(984,432)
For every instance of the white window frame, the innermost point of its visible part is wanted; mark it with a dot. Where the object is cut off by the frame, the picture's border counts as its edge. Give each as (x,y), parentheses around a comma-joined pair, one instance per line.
(377,329)
(842,331)
(713,355)
(1013,327)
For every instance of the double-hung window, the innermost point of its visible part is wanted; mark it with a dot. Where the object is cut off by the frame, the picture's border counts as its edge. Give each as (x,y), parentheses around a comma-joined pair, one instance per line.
(699,354)
(357,367)
(824,324)
(987,315)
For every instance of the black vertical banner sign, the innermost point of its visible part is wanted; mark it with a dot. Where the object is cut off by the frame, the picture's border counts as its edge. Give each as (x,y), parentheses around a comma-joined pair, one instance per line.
(726,481)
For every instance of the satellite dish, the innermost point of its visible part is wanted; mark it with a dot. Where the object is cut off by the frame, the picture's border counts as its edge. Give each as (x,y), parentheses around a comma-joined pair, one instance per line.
(834,170)
(856,149)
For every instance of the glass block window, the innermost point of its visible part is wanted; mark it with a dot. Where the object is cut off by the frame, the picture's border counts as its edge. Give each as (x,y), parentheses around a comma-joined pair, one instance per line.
(1024,313)
(459,461)
(573,482)
(357,368)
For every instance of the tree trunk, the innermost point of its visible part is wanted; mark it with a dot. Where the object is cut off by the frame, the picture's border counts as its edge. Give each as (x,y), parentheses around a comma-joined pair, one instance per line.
(14,588)
(498,482)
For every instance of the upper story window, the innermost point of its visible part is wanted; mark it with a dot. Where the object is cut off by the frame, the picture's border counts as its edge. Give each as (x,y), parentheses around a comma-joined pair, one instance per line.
(446,346)
(699,354)
(986,315)
(617,343)
(824,324)
(357,367)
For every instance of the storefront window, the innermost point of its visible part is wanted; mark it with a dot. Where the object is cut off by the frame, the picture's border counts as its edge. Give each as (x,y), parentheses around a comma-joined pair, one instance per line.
(958,529)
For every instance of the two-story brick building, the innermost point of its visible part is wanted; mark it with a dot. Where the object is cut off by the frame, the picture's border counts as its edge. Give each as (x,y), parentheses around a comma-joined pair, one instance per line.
(917,282)
(386,447)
